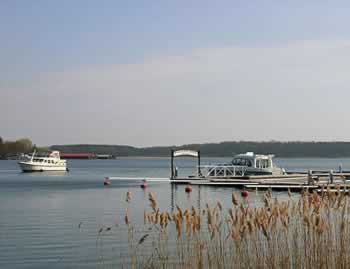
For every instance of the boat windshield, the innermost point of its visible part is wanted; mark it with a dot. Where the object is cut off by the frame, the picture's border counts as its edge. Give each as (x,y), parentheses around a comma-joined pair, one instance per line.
(242,162)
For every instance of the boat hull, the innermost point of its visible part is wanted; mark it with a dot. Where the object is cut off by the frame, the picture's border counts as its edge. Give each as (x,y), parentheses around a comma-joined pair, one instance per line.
(31,167)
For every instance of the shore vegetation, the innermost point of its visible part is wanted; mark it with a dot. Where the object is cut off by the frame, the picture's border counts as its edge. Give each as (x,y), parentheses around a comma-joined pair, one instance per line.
(12,149)
(310,231)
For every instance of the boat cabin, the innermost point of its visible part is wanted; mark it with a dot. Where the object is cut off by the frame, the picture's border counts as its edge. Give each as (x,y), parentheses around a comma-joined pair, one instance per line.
(250,159)
(244,165)
(50,163)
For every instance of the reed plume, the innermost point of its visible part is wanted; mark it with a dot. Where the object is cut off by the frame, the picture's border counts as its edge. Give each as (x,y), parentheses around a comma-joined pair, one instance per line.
(309,231)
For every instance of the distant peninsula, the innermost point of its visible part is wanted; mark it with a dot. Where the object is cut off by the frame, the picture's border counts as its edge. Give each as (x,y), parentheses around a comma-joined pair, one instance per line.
(223,149)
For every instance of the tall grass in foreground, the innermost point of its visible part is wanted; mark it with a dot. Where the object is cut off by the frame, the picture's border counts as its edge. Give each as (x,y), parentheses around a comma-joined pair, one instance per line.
(310,232)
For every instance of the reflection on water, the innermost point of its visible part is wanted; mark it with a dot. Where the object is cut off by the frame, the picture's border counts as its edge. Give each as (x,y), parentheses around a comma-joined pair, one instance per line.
(52,220)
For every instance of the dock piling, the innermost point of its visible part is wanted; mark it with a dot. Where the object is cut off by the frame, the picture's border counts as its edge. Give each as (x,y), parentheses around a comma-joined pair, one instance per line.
(331,178)
(310,179)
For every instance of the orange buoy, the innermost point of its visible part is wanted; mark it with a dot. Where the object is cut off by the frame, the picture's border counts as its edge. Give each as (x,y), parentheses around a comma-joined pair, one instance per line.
(245,194)
(107,182)
(188,189)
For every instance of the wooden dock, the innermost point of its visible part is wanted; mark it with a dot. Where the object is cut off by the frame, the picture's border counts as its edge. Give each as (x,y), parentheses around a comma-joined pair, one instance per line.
(292,182)
(148,179)
(277,187)
(236,176)
(289,182)
(333,190)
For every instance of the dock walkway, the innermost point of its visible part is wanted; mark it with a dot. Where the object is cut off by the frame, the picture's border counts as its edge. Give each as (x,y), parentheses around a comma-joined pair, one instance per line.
(291,182)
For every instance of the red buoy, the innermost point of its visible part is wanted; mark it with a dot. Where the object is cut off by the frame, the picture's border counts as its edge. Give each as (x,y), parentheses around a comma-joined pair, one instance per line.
(144,184)
(245,194)
(188,189)
(107,182)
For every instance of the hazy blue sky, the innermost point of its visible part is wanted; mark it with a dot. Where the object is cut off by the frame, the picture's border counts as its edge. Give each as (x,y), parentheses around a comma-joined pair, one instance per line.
(174,72)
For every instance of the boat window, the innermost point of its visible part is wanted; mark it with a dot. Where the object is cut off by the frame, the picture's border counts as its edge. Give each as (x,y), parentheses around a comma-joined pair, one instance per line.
(262,163)
(236,161)
(242,162)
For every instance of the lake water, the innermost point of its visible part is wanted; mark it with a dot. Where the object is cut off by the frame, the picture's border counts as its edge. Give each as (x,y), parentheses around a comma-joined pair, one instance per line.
(51,220)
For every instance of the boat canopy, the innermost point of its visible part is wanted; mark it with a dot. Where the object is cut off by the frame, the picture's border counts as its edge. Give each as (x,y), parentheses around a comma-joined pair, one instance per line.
(184,153)
(190,153)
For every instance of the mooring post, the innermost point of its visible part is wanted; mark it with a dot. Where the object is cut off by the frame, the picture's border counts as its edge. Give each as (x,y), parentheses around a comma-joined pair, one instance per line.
(331,176)
(172,165)
(199,164)
(310,179)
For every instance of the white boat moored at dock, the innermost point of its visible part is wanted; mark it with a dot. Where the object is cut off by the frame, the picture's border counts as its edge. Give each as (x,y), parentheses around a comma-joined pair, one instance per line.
(247,164)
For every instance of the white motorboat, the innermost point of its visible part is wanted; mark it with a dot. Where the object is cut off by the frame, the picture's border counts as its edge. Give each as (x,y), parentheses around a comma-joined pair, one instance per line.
(39,164)
(244,165)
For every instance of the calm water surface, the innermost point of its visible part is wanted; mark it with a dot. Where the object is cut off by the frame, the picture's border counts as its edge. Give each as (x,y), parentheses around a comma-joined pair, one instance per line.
(40,213)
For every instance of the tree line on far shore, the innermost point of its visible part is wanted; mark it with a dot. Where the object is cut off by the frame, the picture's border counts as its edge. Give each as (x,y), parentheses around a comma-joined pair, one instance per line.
(223,149)
(13,148)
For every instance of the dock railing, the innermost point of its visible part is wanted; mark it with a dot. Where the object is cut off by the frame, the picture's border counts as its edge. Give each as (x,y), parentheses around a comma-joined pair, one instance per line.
(223,170)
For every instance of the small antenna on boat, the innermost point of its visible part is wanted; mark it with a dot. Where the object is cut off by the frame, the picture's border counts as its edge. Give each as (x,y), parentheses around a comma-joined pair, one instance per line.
(33,155)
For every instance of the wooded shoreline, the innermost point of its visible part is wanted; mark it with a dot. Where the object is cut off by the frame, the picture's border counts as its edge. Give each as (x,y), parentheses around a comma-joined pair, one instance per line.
(292,149)
(223,149)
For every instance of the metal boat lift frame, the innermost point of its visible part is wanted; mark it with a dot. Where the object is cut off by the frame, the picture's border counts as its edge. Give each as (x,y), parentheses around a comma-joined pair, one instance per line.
(185,153)
(212,170)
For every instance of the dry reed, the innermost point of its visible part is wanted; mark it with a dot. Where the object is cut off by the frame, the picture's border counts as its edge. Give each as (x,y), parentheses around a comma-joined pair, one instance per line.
(310,232)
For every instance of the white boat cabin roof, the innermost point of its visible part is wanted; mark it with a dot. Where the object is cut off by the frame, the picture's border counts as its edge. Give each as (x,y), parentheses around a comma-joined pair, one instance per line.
(253,160)
(53,156)
(252,156)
